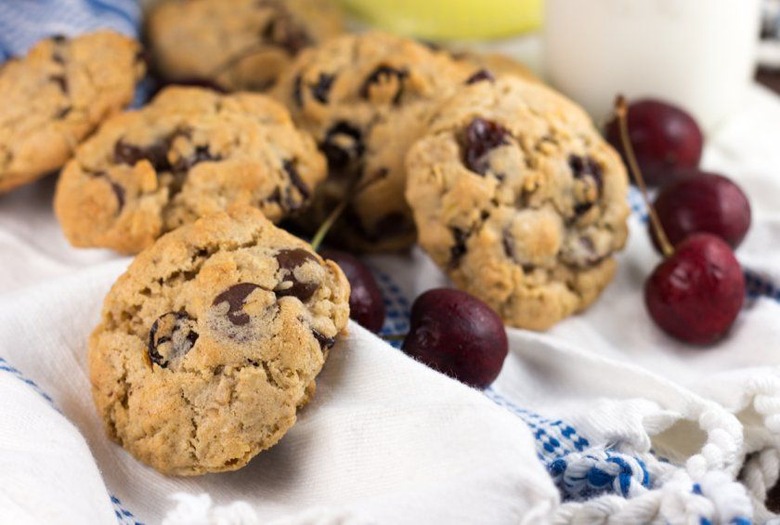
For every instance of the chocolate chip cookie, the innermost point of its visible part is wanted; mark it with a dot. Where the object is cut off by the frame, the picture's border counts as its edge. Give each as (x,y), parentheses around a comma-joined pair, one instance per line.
(237,44)
(189,153)
(365,98)
(57,95)
(211,342)
(519,200)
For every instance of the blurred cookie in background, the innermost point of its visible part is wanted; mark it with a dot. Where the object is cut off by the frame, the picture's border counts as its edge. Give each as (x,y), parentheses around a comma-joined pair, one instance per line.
(57,95)
(365,99)
(238,44)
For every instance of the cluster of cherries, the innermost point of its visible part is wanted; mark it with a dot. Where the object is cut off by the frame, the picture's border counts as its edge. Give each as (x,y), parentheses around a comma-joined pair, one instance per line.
(695,294)
(696,221)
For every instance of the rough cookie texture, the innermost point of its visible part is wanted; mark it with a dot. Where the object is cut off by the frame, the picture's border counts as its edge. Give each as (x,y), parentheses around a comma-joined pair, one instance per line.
(189,153)
(366,98)
(211,341)
(519,200)
(237,44)
(495,64)
(57,95)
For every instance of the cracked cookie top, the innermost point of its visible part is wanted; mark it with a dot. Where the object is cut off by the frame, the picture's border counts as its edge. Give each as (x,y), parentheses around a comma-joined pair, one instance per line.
(189,153)
(517,197)
(57,95)
(237,44)
(211,341)
(365,99)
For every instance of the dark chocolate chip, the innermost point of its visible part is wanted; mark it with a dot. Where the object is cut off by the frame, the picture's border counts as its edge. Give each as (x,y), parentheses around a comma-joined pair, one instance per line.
(321,90)
(383,75)
(289,260)
(583,167)
(509,244)
(581,208)
(172,335)
(295,178)
(298,91)
(156,153)
(433,46)
(59,38)
(284,32)
(63,112)
(61,81)
(58,58)
(202,154)
(235,297)
(479,76)
(325,342)
(119,192)
(343,145)
(480,138)
(458,249)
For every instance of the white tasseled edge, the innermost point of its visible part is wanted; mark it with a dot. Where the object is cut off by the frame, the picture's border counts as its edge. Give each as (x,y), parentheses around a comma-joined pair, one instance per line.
(200,510)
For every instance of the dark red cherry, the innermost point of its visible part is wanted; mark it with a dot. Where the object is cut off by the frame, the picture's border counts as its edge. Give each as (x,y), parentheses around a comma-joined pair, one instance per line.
(366,305)
(708,203)
(665,138)
(696,293)
(457,334)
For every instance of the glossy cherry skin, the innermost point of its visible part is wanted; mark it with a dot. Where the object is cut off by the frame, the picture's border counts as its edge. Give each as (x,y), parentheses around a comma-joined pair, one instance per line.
(457,334)
(696,294)
(665,138)
(366,305)
(709,203)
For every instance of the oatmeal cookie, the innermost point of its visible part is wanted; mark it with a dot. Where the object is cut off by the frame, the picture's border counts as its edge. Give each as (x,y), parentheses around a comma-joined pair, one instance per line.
(211,341)
(237,44)
(189,153)
(519,200)
(57,95)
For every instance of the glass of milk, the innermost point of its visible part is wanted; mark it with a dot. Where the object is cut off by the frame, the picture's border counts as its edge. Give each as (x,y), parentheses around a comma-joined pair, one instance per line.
(698,54)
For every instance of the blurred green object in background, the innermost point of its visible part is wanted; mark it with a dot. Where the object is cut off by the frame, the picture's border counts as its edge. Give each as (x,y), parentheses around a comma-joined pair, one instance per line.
(450,19)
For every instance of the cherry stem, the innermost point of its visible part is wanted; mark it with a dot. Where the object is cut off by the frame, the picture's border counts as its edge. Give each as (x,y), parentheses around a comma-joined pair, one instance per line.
(621,112)
(326,225)
(322,231)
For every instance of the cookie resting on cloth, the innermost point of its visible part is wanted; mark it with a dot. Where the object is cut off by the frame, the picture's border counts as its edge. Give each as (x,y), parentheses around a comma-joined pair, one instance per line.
(519,200)
(210,343)
(189,153)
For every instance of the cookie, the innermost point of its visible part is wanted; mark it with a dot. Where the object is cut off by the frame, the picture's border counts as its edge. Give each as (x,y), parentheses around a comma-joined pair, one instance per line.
(211,341)
(237,44)
(495,64)
(365,99)
(189,153)
(57,95)
(519,200)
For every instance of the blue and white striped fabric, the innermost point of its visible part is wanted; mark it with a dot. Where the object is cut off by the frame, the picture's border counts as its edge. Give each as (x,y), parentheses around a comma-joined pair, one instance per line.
(597,465)
(24,22)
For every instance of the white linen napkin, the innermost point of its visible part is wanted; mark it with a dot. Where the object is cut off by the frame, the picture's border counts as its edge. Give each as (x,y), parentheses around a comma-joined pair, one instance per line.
(603,419)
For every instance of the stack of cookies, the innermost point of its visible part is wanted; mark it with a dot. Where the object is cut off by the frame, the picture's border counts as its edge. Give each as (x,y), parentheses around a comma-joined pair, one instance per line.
(211,341)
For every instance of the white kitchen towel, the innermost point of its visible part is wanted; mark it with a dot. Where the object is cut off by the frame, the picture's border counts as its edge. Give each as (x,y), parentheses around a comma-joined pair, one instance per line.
(603,419)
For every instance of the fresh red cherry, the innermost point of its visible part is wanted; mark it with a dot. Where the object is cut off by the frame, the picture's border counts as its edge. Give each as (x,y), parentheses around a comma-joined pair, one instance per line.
(457,334)
(709,203)
(366,305)
(696,293)
(665,139)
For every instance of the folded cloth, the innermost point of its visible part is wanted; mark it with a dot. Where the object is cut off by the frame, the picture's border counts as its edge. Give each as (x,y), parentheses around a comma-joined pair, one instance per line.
(602,419)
